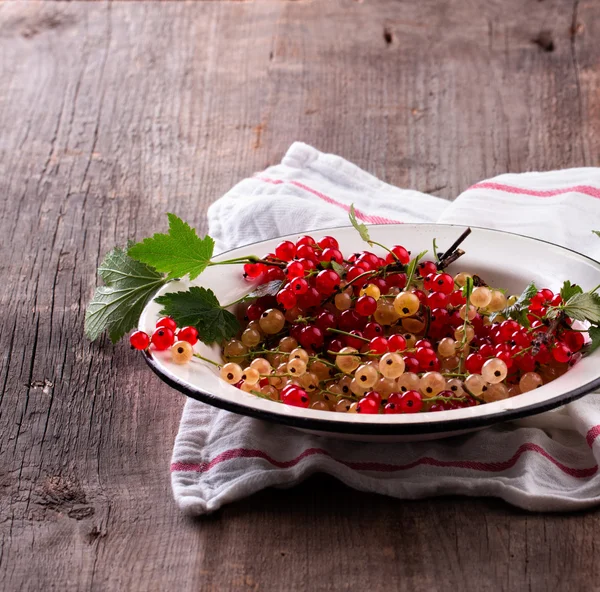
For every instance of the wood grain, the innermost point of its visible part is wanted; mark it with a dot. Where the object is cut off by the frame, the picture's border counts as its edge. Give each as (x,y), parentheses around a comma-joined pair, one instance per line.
(112,114)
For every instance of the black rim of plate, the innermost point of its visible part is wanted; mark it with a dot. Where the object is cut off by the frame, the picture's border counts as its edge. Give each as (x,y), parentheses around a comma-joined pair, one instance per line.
(383,429)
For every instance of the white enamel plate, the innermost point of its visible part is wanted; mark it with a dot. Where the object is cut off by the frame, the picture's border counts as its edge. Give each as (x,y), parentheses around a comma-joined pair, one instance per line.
(504,260)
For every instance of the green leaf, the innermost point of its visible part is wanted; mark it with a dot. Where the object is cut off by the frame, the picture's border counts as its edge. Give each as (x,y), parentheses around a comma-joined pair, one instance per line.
(268,289)
(580,307)
(412,267)
(569,290)
(594,333)
(467,289)
(199,307)
(518,311)
(179,253)
(339,269)
(596,232)
(361,228)
(117,306)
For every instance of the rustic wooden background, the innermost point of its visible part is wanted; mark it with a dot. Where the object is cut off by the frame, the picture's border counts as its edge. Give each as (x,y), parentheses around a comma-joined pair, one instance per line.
(112,113)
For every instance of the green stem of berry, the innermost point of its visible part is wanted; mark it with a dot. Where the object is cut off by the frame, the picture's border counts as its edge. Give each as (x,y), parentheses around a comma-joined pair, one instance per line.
(332,353)
(340,332)
(207,360)
(385,248)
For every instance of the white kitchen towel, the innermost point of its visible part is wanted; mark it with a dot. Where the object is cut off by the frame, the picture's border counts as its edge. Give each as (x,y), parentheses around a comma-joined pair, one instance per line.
(546,463)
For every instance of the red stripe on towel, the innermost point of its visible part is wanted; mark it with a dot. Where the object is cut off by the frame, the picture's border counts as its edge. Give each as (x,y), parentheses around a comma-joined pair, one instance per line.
(592,434)
(490,467)
(364,217)
(585,189)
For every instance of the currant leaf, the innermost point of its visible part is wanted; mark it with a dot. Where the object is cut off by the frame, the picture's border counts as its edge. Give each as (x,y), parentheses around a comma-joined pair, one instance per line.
(199,307)
(180,252)
(339,269)
(268,289)
(568,289)
(594,333)
(518,311)
(361,228)
(412,267)
(597,232)
(467,289)
(116,306)
(580,307)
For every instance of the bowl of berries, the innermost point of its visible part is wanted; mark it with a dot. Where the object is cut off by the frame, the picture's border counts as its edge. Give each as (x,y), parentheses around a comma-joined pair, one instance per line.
(391,332)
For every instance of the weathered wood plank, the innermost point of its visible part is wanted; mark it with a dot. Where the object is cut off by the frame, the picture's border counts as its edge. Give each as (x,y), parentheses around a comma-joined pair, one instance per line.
(112,114)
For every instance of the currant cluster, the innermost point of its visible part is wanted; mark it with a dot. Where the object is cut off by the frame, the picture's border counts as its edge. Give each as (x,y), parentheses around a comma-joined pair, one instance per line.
(371,334)
(349,335)
(167,336)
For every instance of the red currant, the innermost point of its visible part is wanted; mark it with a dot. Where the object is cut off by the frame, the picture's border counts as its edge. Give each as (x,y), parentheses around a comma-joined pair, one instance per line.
(310,299)
(437,300)
(456,298)
(411,402)
(189,334)
(574,340)
(401,255)
(507,328)
(296,397)
(328,242)
(139,340)
(274,273)
(327,282)
(373,330)
(167,322)
(335,345)
(486,350)
(285,251)
(306,252)
(306,240)
(163,338)
(411,364)
(428,281)
(427,267)
(366,306)
(423,343)
(391,408)
(253,271)
(427,358)
(286,298)
(444,283)
(396,343)
(311,337)
(294,269)
(325,320)
(375,396)
(473,363)
(378,345)
(561,353)
(366,405)
(254,311)
(307,264)
(299,286)
(330,254)
(397,280)
(348,320)
(354,339)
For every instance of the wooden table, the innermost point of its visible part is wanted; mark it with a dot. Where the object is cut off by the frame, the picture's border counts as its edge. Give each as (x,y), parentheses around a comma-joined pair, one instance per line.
(112,114)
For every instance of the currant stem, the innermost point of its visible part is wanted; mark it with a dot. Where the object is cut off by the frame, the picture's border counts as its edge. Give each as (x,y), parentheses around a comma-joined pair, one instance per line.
(207,360)
(454,247)
(385,248)
(332,330)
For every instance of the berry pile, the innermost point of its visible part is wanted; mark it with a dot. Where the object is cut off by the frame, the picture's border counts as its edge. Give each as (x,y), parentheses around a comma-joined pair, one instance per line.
(371,334)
